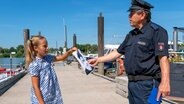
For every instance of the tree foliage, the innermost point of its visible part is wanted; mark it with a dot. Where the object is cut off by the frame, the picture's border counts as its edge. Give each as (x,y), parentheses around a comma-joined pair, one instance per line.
(88,48)
(19,50)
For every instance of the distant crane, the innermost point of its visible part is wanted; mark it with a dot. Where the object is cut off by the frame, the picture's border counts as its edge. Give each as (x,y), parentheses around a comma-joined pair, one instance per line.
(65,34)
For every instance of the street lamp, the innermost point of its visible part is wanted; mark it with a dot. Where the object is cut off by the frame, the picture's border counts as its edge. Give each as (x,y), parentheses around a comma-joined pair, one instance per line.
(12,53)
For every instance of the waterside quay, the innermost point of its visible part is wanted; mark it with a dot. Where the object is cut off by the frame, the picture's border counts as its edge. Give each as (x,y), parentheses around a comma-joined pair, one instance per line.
(76,87)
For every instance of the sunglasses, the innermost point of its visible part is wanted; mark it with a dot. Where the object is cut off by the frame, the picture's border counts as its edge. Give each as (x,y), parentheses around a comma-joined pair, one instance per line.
(135,12)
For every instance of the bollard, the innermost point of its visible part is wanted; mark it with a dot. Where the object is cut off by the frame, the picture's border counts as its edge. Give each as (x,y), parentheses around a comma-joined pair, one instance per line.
(101,42)
(26,38)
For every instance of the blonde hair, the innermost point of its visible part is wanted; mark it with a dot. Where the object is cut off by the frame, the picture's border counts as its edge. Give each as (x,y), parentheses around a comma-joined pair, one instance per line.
(34,41)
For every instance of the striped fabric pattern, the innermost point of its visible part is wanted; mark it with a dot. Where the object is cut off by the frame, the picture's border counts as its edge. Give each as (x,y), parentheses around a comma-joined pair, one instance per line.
(49,86)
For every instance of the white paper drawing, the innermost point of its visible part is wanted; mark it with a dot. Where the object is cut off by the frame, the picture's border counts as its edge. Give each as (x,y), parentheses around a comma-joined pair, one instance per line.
(83,62)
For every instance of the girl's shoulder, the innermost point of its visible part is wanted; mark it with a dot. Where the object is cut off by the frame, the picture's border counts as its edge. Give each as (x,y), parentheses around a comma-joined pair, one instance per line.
(49,58)
(34,63)
(35,67)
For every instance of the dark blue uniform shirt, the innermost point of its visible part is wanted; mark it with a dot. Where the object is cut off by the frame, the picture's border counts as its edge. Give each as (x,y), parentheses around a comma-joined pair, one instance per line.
(142,47)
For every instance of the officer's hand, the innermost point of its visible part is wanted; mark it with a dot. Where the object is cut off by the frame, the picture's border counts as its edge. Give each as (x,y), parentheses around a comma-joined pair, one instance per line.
(164,89)
(93,61)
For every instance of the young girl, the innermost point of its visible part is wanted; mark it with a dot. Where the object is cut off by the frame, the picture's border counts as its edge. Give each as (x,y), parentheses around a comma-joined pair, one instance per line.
(45,88)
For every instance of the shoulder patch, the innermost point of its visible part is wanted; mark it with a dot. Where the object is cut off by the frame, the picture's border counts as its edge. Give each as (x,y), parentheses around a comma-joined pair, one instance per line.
(154,26)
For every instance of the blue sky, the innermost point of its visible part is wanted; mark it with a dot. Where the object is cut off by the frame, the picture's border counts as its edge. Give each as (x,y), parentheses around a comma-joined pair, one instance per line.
(80,16)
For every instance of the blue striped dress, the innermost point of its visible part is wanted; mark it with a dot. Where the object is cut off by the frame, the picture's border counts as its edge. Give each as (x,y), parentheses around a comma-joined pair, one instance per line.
(49,86)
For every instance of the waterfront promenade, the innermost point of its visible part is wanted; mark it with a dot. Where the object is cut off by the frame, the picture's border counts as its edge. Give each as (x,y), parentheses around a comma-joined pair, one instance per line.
(76,87)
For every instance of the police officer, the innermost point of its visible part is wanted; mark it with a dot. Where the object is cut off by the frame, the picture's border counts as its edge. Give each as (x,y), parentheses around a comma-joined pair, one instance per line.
(146,56)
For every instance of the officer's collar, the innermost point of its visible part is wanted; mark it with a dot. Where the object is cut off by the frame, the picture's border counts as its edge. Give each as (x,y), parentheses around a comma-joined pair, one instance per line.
(142,30)
(136,31)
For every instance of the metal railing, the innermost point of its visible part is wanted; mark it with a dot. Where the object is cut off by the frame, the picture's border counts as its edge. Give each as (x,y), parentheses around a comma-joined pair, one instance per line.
(176,56)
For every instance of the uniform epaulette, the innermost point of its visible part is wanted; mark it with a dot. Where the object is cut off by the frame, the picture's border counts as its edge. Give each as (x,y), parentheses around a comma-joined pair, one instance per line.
(154,26)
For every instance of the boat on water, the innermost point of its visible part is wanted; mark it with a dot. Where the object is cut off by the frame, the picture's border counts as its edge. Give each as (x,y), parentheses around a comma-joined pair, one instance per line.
(6,73)
(8,77)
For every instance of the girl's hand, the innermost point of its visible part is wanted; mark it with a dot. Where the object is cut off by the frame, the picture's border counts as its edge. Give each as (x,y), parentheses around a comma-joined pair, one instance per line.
(73,49)
(65,55)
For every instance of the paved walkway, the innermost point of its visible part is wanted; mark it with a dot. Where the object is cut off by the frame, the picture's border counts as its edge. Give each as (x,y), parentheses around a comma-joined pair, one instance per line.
(76,87)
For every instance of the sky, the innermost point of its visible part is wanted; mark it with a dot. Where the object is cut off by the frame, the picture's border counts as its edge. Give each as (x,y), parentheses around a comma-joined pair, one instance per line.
(80,17)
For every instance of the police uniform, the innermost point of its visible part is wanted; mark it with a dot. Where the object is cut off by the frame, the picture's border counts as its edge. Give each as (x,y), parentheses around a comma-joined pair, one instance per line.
(141,48)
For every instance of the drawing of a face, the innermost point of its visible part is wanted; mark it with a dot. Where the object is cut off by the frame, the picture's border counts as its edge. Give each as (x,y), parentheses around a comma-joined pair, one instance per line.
(83,62)
(80,56)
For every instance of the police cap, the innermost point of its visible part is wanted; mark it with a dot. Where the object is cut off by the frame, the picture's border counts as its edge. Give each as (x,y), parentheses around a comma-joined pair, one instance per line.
(140,5)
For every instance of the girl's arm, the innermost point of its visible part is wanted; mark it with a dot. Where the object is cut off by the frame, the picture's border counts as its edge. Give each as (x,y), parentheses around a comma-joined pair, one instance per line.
(65,55)
(36,87)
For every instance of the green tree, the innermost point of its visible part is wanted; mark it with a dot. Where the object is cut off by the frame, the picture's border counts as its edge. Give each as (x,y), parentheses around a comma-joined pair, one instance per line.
(20,47)
(52,50)
(20,51)
(6,55)
(81,47)
(19,54)
(87,48)
(1,50)
(12,49)
(6,50)
(94,48)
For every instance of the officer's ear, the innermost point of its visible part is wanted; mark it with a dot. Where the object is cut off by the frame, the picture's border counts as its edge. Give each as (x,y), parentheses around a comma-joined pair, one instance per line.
(142,15)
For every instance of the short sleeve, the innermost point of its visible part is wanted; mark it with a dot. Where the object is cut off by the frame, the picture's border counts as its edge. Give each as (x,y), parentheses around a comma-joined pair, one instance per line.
(161,42)
(121,48)
(34,69)
(49,58)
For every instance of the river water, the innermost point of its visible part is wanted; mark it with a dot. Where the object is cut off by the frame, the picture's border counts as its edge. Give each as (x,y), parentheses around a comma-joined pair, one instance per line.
(6,62)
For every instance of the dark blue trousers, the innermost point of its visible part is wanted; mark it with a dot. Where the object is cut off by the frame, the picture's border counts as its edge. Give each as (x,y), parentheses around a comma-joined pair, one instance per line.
(139,91)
